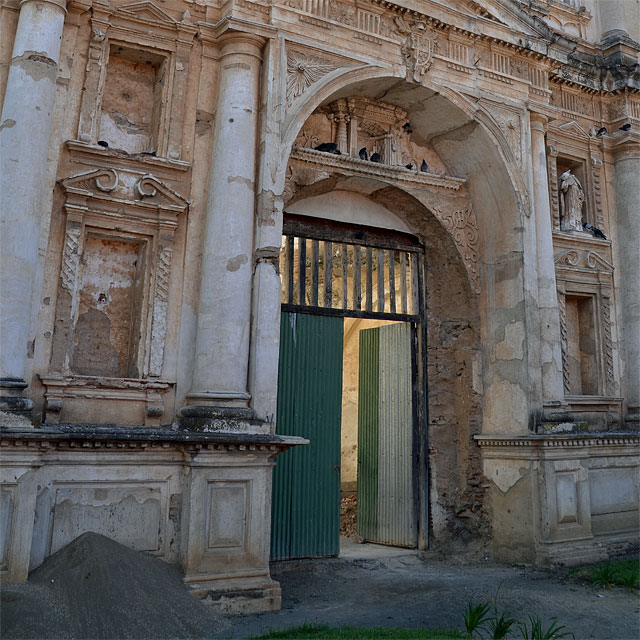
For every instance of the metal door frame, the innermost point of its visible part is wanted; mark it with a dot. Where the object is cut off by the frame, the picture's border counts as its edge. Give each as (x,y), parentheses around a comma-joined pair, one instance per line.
(312,228)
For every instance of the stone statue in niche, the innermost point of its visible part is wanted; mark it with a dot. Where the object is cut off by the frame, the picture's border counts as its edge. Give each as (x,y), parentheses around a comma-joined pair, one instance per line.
(571,202)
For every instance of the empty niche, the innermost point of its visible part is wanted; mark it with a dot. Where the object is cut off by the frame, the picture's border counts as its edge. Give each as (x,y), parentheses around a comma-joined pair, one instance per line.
(581,345)
(107,333)
(132,100)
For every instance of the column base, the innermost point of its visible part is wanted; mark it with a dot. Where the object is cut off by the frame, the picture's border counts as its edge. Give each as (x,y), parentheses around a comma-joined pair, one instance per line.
(11,399)
(209,419)
(238,595)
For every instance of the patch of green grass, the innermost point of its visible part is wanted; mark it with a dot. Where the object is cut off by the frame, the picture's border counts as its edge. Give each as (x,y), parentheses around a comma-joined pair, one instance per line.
(617,573)
(535,631)
(325,632)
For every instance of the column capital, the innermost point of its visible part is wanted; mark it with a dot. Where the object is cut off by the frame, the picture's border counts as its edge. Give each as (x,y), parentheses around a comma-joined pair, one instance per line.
(626,147)
(538,121)
(238,42)
(60,4)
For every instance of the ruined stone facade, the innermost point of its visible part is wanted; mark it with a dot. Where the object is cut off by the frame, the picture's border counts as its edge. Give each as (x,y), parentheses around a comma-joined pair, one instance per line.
(150,152)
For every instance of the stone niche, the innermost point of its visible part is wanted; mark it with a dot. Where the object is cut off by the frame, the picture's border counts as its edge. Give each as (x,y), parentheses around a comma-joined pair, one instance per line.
(135,87)
(132,100)
(584,276)
(113,299)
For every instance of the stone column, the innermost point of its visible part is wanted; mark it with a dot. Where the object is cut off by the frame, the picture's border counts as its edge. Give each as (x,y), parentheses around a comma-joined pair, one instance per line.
(550,340)
(25,128)
(219,385)
(627,197)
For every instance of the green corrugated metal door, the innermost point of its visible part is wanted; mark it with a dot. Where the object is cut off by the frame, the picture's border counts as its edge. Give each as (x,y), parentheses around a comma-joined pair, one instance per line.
(386,506)
(306,480)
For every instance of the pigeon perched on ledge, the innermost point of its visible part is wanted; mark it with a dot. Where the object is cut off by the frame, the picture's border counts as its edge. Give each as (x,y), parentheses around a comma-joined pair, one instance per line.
(601,132)
(625,127)
(375,157)
(328,147)
(363,153)
(594,230)
(424,167)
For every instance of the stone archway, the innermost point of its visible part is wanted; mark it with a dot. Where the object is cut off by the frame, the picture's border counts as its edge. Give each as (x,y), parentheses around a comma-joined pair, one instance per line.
(477,237)
(454,360)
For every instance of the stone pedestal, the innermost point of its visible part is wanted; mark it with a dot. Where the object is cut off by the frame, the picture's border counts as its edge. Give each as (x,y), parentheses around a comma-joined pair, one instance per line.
(550,340)
(25,128)
(224,314)
(201,500)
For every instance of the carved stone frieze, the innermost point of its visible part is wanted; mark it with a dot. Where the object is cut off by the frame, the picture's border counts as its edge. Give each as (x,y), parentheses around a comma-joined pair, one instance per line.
(552,171)
(463,227)
(605,303)
(303,70)
(508,120)
(562,311)
(160,307)
(70,256)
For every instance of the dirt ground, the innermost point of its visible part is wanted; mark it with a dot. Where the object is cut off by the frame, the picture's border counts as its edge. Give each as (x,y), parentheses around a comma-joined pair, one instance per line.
(379,586)
(95,588)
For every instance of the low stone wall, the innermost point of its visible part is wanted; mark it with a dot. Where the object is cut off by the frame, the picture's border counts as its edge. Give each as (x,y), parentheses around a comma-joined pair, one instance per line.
(200,499)
(563,499)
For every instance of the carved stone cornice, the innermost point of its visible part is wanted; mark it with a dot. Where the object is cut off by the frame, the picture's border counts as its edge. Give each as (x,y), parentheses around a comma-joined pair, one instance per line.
(557,441)
(67,437)
(355,166)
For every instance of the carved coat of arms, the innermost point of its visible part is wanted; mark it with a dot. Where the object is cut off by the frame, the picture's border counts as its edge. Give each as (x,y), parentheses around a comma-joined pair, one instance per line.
(418,47)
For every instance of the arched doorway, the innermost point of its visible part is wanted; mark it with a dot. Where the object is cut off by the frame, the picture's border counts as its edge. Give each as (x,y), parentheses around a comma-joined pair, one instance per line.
(351,352)
(475,277)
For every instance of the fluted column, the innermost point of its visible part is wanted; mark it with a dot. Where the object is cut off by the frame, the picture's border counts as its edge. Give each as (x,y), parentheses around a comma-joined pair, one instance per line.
(25,128)
(627,197)
(224,314)
(550,340)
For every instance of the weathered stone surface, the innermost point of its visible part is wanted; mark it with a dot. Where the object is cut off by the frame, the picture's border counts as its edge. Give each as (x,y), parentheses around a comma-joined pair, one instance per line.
(154,155)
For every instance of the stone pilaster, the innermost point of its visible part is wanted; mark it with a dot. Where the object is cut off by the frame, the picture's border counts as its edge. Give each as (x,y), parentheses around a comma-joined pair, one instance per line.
(627,197)
(550,339)
(25,128)
(220,373)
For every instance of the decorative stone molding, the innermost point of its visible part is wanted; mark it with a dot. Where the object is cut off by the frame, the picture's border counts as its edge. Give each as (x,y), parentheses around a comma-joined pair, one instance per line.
(354,166)
(595,162)
(562,311)
(303,70)
(552,172)
(68,393)
(555,441)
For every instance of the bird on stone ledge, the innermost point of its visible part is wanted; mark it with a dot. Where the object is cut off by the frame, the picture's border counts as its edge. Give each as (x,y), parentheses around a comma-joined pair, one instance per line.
(625,127)
(328,147)
(601,132)
(594,230)
(375,157)
(363,153)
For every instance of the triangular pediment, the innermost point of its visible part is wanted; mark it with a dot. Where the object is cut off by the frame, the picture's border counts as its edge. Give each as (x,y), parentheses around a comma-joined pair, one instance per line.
(146,11)
(571,127)
(104,180)
(151,188)
(510,13)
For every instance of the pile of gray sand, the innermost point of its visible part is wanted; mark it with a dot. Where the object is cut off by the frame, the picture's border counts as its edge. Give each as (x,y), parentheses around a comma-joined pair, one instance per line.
(97,588)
